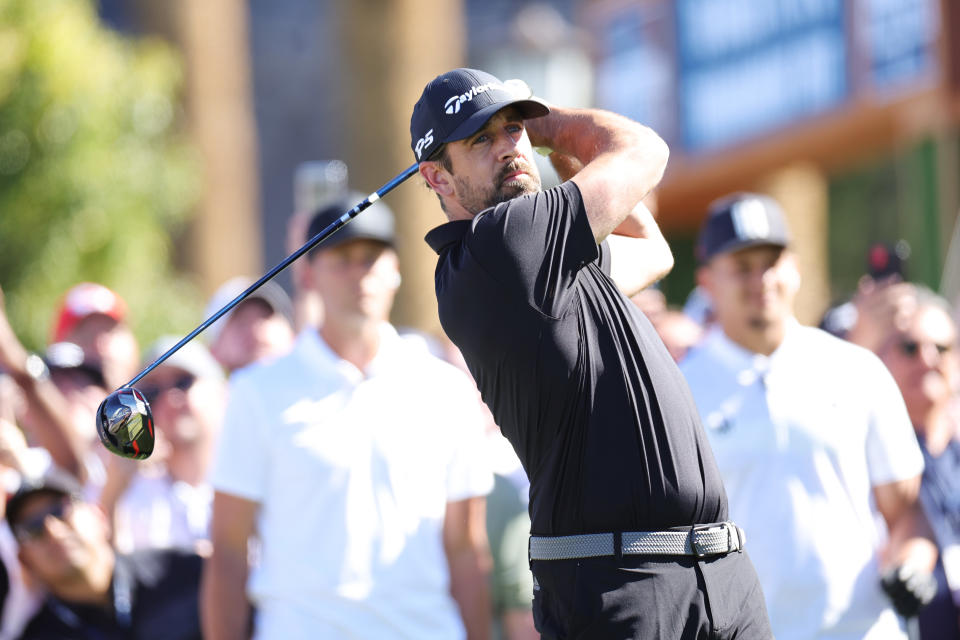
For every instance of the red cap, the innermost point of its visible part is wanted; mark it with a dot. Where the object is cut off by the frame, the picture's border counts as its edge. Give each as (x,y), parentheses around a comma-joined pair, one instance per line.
(83,300)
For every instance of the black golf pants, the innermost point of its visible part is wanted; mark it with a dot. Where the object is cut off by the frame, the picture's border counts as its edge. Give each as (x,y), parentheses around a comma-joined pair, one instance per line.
(648,598)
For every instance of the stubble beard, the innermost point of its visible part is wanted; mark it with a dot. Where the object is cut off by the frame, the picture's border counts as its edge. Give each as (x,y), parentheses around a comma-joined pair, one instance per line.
(475,198)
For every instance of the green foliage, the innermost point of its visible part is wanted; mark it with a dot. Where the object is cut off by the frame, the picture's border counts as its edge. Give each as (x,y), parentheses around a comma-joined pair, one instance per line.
(886,200)
(94,172)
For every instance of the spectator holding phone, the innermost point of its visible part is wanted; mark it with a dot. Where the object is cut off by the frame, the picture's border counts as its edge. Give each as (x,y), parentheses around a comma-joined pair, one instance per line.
(883,299)
(811,438)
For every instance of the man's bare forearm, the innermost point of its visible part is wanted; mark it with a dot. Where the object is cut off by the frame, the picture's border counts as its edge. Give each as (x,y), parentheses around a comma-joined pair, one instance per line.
(584,134)
(565,165)
(615,161)
(225,613)
(468,557)
(911,541)
(640,254)
(47,418)
(470,588)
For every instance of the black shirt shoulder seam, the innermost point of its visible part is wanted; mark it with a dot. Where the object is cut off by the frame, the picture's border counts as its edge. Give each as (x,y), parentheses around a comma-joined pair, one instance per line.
(513,295)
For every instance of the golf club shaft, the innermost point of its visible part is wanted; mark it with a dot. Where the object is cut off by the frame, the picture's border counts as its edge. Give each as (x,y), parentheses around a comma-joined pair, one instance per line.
(332,228)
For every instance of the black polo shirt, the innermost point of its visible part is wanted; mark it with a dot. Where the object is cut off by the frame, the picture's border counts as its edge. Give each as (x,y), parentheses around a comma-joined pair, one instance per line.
(155,595)
(575,375)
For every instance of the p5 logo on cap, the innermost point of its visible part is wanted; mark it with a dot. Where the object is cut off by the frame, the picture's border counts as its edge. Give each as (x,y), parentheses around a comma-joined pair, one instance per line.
(423,142)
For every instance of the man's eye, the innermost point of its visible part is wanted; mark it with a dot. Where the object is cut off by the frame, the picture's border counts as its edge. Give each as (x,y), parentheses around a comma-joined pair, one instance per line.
(481,139)
(515,128)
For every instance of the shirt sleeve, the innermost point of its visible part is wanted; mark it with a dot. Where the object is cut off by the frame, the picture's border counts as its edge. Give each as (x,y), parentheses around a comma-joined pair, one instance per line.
(240,464)
(892,450)
(604,258)
(469,472)
(536,244)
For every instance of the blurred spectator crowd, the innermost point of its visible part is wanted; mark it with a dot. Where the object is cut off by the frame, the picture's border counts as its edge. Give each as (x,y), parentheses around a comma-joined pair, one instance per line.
(339,469)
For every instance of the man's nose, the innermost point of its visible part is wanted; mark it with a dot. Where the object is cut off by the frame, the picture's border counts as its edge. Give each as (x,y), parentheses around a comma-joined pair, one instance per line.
(930,355)
(757,279)
(507,148)
(171,399)
(54,528)
(768,278)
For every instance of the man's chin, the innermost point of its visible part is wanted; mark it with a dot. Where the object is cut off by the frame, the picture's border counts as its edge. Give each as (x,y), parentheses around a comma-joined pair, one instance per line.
(759,323)
(517,187)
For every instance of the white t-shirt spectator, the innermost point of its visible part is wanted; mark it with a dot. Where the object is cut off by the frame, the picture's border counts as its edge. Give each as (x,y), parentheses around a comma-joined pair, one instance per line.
(801,437)
(158,512)
(353,470)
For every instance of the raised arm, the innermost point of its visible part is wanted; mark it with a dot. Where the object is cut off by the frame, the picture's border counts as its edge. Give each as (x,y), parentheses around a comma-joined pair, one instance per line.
(637,261)
(640,254)
(47,417)
(621,160)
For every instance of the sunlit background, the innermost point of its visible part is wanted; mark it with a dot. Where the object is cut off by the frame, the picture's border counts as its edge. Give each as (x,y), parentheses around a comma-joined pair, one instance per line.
(161,147)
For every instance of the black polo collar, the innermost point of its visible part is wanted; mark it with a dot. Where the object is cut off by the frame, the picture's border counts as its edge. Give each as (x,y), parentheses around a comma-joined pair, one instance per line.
(446,234)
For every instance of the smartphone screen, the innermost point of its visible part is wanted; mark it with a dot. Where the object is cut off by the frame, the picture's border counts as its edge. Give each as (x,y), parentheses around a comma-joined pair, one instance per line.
(317,182)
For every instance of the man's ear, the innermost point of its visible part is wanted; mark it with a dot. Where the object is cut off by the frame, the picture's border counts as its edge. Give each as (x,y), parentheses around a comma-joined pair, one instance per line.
(99,517)
(306,280)
(24,559)
(792,271)
(703,278)
(438,178)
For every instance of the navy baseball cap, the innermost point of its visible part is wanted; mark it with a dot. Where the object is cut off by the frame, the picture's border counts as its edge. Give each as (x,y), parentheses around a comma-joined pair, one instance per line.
(373,223)
(458,103)
(739,221)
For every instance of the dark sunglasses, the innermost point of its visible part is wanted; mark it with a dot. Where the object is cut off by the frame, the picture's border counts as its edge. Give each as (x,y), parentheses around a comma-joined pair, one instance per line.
(151,391)
(34,527)
(912,347)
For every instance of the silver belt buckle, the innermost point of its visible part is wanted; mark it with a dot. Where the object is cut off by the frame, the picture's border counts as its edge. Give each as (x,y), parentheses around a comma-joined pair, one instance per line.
(733,543)
(731,532)
(695,549)
(741,537)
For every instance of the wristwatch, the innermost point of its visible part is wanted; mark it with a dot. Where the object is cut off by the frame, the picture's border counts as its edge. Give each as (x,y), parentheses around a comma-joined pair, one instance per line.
(36,368)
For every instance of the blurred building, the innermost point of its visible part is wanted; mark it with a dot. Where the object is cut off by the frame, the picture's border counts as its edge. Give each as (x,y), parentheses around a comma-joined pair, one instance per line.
(845,110)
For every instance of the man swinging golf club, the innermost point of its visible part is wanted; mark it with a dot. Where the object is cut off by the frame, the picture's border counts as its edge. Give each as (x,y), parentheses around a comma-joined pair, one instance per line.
(625,498)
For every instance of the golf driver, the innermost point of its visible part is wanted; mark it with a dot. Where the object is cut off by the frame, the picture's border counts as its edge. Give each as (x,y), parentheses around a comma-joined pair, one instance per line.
(124,419)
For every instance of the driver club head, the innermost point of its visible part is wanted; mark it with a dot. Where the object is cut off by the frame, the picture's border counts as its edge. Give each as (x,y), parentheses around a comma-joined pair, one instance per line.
(124,419)
(125,424)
